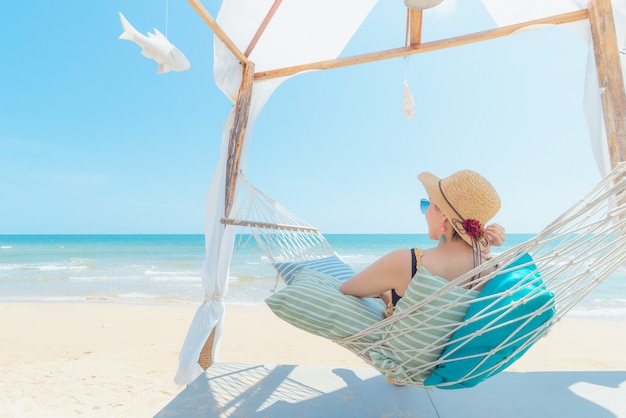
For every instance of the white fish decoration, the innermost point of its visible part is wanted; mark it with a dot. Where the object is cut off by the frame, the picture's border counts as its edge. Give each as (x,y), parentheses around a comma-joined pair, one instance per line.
(409,103)
(156,46)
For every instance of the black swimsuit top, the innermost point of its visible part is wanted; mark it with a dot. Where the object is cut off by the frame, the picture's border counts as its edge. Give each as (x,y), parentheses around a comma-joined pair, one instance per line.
(415,254)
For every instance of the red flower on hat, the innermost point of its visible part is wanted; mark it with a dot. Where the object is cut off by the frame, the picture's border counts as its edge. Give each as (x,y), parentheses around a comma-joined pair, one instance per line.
(472,228)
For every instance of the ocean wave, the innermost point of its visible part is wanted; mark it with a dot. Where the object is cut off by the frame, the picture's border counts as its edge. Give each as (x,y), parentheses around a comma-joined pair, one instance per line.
(183,285)
(139,295)
(30,298)
(252,278)
(7,267)
(172,273)
(135,278)
(72,264)
(615,314)
(138,270)
(178,279)
(5,247)
(57,267)
(253,263)
(43,268)
(101,278)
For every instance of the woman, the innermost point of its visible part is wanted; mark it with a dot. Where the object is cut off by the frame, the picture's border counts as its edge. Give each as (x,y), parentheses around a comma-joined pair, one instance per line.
(459,208)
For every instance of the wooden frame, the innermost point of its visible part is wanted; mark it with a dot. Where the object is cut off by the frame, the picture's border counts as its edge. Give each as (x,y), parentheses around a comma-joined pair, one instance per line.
(418,48)
(610,77)
(599,14)
(238,132)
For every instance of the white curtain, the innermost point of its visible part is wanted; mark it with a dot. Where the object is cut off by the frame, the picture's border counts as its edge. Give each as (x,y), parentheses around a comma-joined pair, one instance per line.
(299,32)
(218,247)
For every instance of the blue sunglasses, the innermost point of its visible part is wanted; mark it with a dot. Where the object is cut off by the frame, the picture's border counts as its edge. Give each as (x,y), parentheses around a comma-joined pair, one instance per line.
(424,204)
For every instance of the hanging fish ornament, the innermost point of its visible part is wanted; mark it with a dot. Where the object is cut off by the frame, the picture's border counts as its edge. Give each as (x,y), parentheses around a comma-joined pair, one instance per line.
(409,103)
(156,46)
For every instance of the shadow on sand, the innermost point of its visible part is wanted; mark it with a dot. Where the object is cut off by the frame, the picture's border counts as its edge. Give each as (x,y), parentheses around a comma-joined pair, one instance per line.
(240,390)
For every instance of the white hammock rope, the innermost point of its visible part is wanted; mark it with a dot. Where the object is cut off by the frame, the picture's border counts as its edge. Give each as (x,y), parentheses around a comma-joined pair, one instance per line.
(280,234)
(573,254)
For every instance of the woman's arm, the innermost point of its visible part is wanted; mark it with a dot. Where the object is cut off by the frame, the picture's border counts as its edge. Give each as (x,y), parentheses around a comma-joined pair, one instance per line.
(392,271)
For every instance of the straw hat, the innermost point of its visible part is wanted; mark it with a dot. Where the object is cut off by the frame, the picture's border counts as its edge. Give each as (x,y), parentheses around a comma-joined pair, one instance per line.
(467,199)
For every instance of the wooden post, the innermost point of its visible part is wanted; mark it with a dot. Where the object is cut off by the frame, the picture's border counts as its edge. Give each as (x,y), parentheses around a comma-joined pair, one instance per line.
(217,30)
(415,26)
(610,77)
(238,132)
(235,146)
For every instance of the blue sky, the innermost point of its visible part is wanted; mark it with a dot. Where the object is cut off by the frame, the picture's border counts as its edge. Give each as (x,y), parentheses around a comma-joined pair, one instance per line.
(93,140)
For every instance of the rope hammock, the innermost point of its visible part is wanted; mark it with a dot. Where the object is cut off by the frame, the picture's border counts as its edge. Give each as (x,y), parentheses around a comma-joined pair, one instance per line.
(280,234)
(442,334)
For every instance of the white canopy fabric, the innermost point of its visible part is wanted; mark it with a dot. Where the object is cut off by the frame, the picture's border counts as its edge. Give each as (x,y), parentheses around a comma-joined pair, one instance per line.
(508,12)
(304,32)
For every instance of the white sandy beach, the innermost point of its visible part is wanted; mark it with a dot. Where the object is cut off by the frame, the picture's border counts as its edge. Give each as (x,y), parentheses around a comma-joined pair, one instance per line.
(101,359)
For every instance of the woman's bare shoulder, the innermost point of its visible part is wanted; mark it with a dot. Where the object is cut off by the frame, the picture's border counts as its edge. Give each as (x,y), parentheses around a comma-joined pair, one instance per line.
(398,255)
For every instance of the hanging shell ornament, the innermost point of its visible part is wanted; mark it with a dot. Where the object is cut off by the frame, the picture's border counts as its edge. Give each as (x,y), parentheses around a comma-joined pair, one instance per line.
(421,4)
(409,103)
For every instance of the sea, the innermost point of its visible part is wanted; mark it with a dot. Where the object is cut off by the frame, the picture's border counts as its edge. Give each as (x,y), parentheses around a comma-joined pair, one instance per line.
(166,269)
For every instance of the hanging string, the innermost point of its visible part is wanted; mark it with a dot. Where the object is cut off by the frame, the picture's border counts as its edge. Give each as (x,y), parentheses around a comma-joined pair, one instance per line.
(407,102)
(406,33)
(166,15)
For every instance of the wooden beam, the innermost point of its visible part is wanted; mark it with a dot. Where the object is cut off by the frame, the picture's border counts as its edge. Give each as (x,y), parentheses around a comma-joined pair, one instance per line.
(262,28)
(415,26)
(610,77)
(217,29)
(237,133)
(267,225)
(424,47)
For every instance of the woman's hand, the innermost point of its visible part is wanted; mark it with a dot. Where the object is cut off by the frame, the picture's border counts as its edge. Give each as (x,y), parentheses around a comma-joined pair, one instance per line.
(495,234)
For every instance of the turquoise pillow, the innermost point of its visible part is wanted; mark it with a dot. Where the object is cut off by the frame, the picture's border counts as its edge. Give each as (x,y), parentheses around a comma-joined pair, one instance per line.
(469,357)
(314,303)
(332,266)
